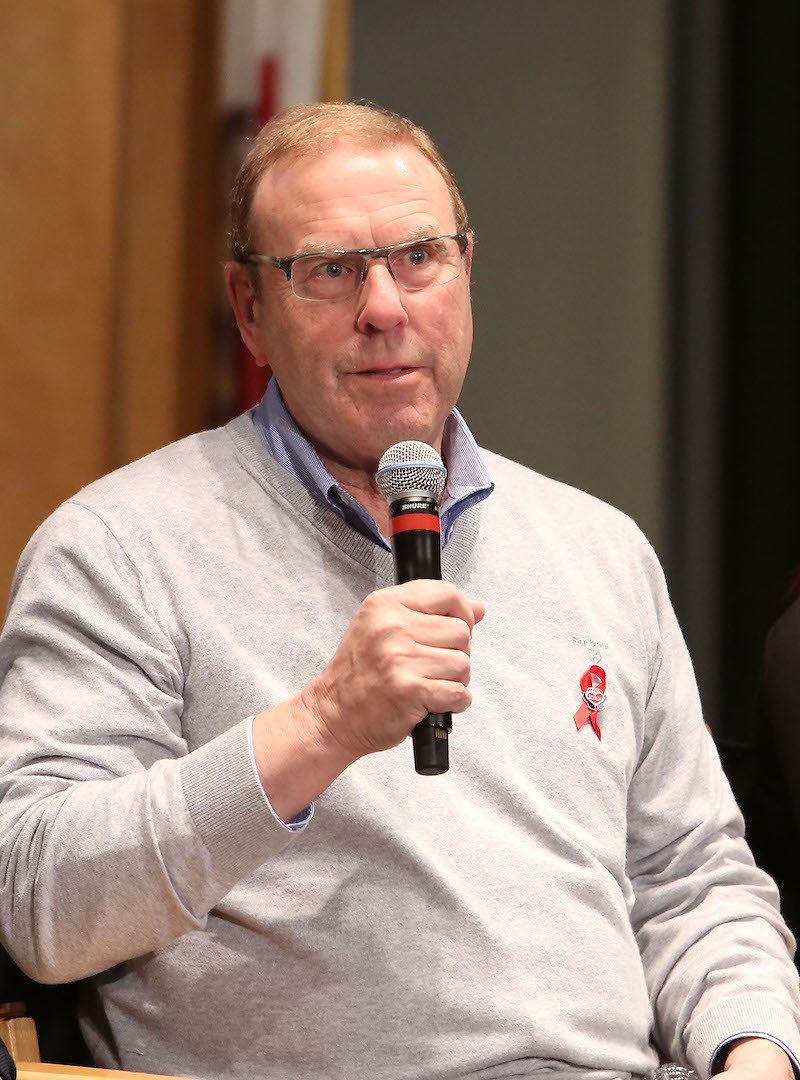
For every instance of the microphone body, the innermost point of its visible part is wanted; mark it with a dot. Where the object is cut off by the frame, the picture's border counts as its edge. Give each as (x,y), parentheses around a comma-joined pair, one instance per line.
(416,536)
(411,477)
(416,551)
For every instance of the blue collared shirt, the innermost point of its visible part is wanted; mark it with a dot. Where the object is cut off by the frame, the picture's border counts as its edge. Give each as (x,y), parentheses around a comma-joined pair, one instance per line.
(468,480)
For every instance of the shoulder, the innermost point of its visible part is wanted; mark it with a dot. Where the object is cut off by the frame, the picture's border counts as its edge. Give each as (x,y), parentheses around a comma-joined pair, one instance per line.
(779,667)
(527,493)
(165,498)
(783,638)
(545,526)
(180,470)
(179,483)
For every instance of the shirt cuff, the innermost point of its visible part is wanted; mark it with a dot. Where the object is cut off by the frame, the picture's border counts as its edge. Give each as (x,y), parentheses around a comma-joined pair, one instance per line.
(719,1055)
(300,820)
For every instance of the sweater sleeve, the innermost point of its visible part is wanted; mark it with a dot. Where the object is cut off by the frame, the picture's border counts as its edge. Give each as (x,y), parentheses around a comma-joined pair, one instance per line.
(115,838)
(716,953)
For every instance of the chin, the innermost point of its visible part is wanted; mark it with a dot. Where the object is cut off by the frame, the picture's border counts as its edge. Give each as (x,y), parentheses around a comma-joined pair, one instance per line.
(413,423)
(406,433)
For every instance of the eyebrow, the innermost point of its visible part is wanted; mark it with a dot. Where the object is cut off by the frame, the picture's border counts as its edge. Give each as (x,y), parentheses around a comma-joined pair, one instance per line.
(319,248)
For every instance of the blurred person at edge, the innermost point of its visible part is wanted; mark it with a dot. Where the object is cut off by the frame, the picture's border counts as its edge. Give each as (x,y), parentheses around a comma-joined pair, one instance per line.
(208,681)
(769,782)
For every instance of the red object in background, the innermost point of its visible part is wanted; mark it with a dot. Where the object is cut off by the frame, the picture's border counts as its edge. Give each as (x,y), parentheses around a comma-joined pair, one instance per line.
(268,102)
(251,380)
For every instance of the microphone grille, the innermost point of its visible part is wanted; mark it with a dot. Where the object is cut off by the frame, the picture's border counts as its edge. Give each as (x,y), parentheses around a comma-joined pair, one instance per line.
(410,465)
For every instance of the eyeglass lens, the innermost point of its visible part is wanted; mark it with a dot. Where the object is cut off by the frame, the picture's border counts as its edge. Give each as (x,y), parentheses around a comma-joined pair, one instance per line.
(413,266)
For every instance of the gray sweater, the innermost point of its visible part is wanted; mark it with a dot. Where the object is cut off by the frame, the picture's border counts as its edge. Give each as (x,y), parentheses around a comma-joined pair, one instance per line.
(555,901)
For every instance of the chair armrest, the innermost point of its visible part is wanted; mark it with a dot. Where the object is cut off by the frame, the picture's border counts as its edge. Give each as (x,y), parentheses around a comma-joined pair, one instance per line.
(38,1070)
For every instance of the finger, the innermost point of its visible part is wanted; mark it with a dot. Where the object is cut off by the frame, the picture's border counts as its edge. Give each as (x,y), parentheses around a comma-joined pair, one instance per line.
(441,631)
(434,598)
(478,610)
(451,665)
(442,696)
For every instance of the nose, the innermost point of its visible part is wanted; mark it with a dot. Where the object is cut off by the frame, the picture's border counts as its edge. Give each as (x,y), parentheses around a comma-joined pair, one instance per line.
(380,302)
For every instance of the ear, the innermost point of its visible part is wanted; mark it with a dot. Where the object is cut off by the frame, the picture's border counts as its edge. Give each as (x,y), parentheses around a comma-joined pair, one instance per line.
(469,253)
(247,308)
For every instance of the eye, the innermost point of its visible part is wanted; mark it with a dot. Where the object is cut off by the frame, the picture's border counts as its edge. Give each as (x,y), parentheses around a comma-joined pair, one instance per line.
(328,276)
(417,256)
(321,269)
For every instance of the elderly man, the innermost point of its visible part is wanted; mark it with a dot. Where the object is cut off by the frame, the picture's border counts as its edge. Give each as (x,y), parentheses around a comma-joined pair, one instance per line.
(208,681)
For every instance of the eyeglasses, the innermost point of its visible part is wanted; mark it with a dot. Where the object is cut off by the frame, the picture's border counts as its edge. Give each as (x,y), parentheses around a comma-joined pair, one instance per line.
(335,275)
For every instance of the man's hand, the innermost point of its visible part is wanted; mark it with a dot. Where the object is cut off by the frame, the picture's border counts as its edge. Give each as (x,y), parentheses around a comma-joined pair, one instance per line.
(756,1059)
(406,653)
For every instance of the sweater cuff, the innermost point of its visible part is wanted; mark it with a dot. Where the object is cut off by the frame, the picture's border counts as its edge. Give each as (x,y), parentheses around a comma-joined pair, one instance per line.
(228,806)
(740,1017)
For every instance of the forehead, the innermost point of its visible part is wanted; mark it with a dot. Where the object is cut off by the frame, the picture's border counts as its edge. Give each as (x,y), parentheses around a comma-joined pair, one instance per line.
(351,196)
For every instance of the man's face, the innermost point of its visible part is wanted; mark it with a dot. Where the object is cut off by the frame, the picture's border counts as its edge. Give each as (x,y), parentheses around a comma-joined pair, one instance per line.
(359,374)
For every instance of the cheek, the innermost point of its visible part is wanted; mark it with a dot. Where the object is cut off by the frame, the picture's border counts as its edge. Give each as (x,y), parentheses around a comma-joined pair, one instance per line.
(455,329)
(289,346)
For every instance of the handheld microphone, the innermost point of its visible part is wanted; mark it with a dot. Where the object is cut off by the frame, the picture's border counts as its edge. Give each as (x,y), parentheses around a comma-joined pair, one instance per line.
(411,478)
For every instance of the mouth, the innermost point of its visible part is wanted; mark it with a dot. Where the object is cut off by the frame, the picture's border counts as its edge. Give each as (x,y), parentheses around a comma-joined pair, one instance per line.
(386,373)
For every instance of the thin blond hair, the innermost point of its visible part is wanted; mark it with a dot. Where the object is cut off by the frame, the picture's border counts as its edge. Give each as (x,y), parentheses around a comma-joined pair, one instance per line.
(313,130)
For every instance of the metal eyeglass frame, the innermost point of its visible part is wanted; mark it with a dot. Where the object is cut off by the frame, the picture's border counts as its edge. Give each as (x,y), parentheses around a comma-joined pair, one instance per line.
(286,263)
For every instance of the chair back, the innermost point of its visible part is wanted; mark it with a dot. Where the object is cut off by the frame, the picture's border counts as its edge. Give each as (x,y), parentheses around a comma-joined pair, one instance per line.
(54,1009)
(8,1070)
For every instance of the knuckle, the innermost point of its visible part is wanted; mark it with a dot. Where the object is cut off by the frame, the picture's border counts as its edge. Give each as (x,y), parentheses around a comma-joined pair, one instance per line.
(397,637)
(374,602)
(463,700)
(395,656)
(451,591)
(408,692)
(464,668)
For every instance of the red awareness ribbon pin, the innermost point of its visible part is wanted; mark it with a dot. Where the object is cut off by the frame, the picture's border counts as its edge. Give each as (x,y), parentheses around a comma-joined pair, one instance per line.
(593,687)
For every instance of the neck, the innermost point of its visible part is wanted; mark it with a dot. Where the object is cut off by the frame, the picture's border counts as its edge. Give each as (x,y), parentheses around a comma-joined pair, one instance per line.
(361,485)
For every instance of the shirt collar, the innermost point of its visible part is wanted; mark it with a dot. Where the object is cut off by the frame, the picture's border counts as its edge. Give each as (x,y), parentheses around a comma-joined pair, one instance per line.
(468,480)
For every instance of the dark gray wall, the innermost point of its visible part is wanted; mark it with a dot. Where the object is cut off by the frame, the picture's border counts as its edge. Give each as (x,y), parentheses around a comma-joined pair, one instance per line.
(552,115)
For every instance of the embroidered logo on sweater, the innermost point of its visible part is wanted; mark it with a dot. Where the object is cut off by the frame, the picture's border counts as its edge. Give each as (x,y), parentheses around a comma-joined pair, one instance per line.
(595,647)
(593,688)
